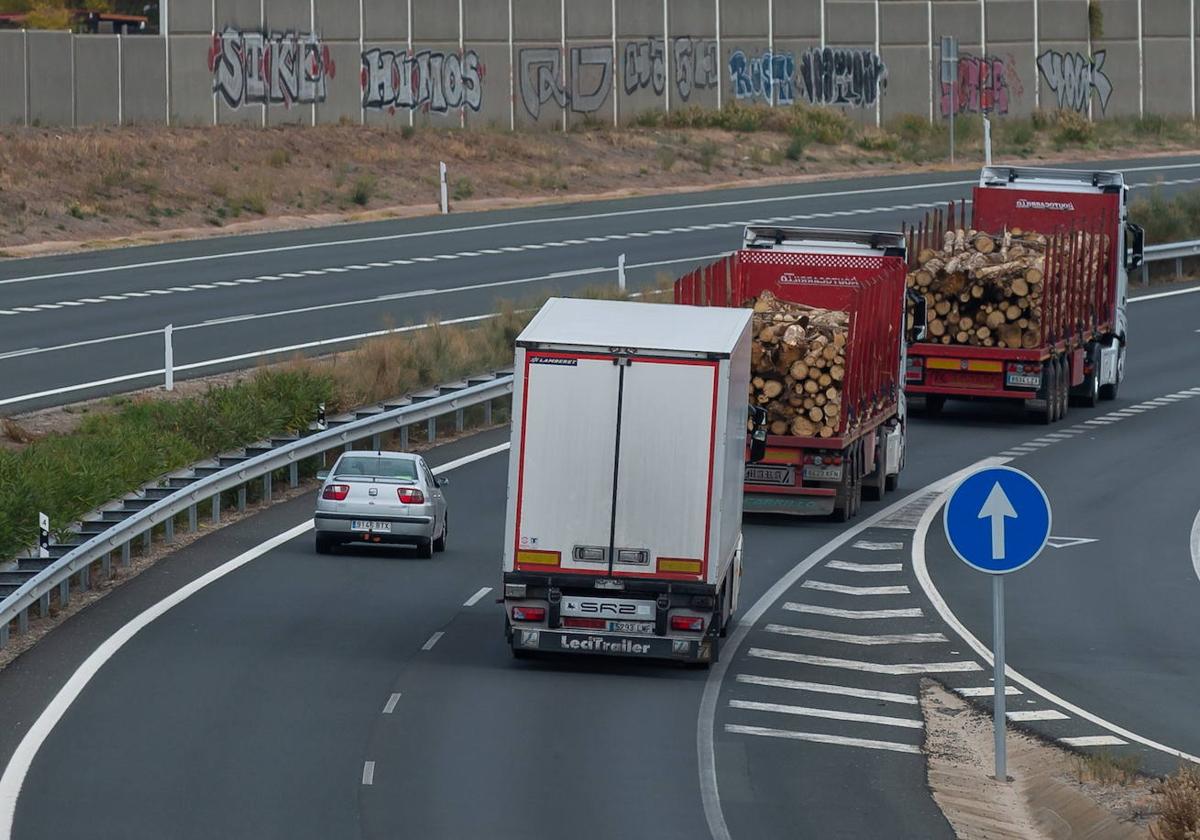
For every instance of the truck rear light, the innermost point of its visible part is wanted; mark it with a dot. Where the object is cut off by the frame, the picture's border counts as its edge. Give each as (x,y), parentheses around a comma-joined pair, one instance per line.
(586,623)
(687,623)
(835,460)
(336,492)
(410,496)
(529,613)
(590,554)
(633,556)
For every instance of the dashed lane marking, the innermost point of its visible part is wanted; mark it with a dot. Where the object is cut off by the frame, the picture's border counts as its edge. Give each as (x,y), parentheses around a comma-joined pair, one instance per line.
(813,609)
(368,776)
(390,706)
(856,639)
(477,597)
(825,688)
(1037,714)
(826,714)
(855,590)
(891,669)
(866,568)
(818,738)
(433,640)
(1093,741)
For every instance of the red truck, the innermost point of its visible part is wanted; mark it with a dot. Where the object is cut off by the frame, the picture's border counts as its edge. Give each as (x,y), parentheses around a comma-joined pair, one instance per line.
(857,272)
(1078,348)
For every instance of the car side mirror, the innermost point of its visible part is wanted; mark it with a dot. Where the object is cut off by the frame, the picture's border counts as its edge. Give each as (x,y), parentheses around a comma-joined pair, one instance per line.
(441,482)
(322,475)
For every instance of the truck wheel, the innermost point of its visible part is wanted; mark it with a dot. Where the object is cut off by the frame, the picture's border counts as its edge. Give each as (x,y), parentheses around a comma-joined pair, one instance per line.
(1064,386)
(856,487)
(1109,392)
(1089,394)
(876,483)
(934,403)
(1046,416)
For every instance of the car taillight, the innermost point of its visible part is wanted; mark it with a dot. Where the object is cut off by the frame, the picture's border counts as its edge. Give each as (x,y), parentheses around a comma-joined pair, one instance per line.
(410,496)
(528,613)
(687,623)
(336,492)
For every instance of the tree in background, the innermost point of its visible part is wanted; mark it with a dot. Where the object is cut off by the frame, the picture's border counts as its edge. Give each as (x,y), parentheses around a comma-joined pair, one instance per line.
(58,14)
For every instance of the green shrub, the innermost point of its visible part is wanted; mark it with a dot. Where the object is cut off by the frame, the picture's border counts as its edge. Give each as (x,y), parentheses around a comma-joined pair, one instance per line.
(1072,129)
(707,154)
(463,189)
(878,141)
(795,147)
(364,188)
(666,157)
(280,158)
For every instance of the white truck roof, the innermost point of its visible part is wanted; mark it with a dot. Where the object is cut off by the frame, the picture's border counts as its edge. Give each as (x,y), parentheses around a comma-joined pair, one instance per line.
(661,327)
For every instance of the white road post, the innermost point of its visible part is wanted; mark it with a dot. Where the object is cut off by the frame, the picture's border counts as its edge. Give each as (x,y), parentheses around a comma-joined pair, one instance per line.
(987,142)
(621,272)
(168,358)
(442,179)
(43,536)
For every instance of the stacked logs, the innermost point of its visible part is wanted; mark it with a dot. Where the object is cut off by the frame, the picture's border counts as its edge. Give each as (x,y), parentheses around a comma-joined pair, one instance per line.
(983,290)
(798,363)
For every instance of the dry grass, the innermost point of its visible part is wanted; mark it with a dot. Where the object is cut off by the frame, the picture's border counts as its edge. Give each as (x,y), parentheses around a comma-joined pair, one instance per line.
(1105,768)
(1178,806)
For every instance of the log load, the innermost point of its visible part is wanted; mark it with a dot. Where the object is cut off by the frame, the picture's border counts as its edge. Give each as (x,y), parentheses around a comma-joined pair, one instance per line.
(983,290)
(798,361)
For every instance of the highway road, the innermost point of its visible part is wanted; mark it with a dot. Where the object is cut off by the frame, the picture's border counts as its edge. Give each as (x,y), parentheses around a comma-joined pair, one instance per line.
(82,325)
(251,710)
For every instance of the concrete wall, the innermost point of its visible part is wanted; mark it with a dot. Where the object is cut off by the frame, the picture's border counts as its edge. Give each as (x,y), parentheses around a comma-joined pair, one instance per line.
(555,64)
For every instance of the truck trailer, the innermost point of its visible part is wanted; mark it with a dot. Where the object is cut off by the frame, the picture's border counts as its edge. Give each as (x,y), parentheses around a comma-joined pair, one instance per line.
(1052,333)
(623,529)
(825,467)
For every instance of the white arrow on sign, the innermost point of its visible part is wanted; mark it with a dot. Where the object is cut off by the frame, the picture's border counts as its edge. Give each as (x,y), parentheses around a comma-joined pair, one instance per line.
(1068,542)
(997,507)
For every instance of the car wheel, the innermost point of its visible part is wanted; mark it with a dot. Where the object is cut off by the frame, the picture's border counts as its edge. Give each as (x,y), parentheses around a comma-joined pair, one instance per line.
(440,543)
(324,543)
(425,549)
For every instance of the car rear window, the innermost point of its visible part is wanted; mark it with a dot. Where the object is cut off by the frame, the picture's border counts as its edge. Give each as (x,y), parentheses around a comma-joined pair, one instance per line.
(400,468)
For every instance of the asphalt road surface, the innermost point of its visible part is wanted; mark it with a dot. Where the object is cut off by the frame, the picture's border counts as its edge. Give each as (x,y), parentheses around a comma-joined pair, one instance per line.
(252,709)
(83,325)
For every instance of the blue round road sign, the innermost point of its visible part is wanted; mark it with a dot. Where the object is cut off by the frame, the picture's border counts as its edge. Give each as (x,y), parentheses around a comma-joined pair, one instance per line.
(997,520)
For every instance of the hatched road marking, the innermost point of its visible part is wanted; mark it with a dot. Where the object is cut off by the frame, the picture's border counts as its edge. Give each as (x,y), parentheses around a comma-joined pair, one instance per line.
(825,688)
(817,738)
(813,609)
(827,714)
(390,706)
(855,639)
(855,590)
(846,566)
(897,669)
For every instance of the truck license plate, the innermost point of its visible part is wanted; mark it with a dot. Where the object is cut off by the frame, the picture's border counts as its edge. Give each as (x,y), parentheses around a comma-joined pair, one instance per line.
(368,525)
(781,475)
(830,473)
(1024,380)
(631,626)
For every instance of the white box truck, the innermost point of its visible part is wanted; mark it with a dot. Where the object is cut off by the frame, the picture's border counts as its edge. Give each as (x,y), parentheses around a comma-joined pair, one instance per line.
(623,532)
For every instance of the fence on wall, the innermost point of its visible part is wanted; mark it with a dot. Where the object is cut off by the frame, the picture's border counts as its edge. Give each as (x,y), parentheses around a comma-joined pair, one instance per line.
(556,63)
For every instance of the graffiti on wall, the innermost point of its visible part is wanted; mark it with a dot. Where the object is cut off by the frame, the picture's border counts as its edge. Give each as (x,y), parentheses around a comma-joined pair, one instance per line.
(696,65)
(644,66)
(427,80)
(756,76)
(1073,77)
(286,68)
(986,85)
(583,88)
(843,76)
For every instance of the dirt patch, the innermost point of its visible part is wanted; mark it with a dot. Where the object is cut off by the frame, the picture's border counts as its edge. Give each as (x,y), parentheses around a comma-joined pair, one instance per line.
(63,190)
(1048,797)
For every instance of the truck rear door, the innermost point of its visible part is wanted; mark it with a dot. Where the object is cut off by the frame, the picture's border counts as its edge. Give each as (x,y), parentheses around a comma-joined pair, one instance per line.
(622,487)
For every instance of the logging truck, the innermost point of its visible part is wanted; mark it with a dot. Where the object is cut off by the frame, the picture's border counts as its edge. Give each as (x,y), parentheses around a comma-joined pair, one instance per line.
(1026,298)
(623,524)
(827,361)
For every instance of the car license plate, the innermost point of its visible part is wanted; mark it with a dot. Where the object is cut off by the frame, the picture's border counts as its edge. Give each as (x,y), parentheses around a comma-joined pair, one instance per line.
(1019,380)
(368,525)
(783,476)
(631,626)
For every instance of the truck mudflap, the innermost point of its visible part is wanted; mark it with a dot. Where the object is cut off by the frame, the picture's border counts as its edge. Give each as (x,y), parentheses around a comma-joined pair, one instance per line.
(613,644)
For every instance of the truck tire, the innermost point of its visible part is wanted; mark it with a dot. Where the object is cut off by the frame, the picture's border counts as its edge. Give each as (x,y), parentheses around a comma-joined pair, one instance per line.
(876,483)
(934,403)
(1064,386)
(1089,392)
(1047,415)
(1109,392)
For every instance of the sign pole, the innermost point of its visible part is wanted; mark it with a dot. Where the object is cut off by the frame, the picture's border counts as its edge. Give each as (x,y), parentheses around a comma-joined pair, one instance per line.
(998,714)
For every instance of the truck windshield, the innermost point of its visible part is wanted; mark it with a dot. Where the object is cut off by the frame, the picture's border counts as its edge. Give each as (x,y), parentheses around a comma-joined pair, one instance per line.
(400,468)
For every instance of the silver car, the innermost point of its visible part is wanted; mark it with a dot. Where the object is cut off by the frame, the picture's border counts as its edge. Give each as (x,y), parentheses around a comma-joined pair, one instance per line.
(381,497)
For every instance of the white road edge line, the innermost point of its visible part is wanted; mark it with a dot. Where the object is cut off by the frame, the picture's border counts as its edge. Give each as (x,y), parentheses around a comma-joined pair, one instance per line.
(825,688)
(391,703)
(706,718)
(1195,544)
(477,597)
(817,738)
(22,758)
(985,653)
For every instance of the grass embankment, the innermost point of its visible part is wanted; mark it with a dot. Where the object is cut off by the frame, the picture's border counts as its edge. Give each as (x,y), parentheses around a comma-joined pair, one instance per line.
(1174,219)
(95,185)
(126,442)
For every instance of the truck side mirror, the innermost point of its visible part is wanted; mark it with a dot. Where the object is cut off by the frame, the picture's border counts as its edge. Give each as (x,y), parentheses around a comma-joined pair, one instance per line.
(920,314)
(758,437)
(1135,245)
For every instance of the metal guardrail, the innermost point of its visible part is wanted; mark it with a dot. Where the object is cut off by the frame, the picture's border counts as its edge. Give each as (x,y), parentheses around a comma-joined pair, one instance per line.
(425,407)
(1177,251)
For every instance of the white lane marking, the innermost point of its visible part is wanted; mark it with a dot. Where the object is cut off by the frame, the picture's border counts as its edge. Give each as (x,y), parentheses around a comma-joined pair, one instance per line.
(867,545)
(817,738)
(1194,543)
(985,653)
(313,272)
(1057,436)
(827,714)
(1038,444)
(22,757)
(1037,714)
(1158,295)
(433,640)
(12,354)
(48,306)
(867,568)
(390,706)
(340,269)
(194,286)
(1068,542)
(987,691)
(710,794)
(1093,741)
(892,669)
(368,777)
(825,688)
(855,590)
(854,638)
(215,283)
(813,609)
(1012,453)
(477,597)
